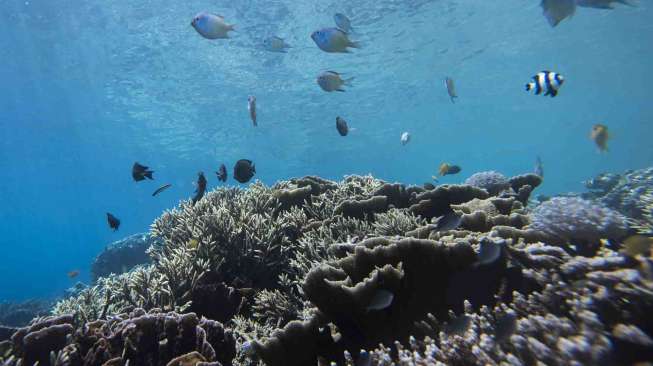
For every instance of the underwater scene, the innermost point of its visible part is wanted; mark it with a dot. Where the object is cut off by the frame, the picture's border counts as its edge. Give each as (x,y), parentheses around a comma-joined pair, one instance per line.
(317,183)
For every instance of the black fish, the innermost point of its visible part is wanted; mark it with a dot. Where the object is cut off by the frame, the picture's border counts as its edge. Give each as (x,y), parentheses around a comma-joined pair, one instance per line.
(244,170)
(450,221)
(161,189)
(222,173)
(201,187)
(490,252)
(140,172)
(114,223)
(454,169)
(341,126)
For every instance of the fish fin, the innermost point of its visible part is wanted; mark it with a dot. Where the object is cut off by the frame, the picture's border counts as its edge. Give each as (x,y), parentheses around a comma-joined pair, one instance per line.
(355,44)
(231,27)
(556,11)
(453,99)
(340,90)
(348,81)
(553,93)
(530,86)
(149,174)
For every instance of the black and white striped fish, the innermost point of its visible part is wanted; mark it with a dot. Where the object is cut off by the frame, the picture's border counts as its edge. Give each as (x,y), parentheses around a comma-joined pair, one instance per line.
(547,82)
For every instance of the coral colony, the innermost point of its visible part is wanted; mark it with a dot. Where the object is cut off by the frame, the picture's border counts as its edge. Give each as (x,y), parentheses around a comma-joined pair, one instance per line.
(363,272)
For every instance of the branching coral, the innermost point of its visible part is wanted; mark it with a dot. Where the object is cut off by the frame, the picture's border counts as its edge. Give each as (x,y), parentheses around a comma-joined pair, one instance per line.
(296,271)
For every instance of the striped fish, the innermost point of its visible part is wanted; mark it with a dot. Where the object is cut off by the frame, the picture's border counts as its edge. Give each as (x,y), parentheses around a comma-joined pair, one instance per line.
(547,82)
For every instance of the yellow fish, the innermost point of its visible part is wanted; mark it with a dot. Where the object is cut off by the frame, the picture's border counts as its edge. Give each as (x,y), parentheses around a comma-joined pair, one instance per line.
(600,136)
(193,243)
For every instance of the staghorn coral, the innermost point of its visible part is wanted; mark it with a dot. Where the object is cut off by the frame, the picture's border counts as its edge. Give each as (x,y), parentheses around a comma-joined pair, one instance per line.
(578,221)
(493,182)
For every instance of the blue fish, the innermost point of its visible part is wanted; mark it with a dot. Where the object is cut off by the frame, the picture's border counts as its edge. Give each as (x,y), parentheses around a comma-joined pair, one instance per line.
(343,23)
(333,40)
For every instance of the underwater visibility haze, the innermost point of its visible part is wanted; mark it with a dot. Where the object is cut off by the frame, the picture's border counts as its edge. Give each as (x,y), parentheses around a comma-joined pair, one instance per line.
(111,109)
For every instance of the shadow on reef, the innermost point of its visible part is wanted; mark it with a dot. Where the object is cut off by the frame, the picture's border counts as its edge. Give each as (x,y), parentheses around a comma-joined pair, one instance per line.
(310,271)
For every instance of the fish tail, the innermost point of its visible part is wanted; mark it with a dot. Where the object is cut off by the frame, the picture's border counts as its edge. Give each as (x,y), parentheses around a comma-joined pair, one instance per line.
(149,174)
(232,27)
(355,44)
(348,81)
(453,99)
(530,86)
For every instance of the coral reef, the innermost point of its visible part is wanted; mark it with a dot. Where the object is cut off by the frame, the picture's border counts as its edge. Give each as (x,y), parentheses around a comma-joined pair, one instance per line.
(578,221)
(18,314)
(136,338)
(622,192)
(310,271)
(493,182)
(120,256)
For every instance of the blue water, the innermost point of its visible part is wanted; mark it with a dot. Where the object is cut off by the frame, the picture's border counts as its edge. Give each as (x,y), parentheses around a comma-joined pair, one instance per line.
(90,87)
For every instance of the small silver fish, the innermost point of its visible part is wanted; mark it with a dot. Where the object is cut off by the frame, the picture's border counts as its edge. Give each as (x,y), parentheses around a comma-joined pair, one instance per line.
(211,26)
(451,89)
(251,106)
(405,138)
(342,22)
(381,300)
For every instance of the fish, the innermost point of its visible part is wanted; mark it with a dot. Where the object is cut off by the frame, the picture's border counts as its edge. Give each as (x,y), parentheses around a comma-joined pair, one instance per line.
(114,223)
(505,326)
(636,245)
(342,22)
(140,172)
(600,136)
(449,221)
(556,11)
(275,44)
(447,169)
(341,126)
(211,26)
(201,187)
(244,170)
(405,138)
(73,274)
(251,106)
(539,169)
(333,40)
(490,252)
(547,81)
(382,299)
(222,173)
(451,89)
(602,4)
(193,243)
(161,189)
(429,186)
(332,81)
